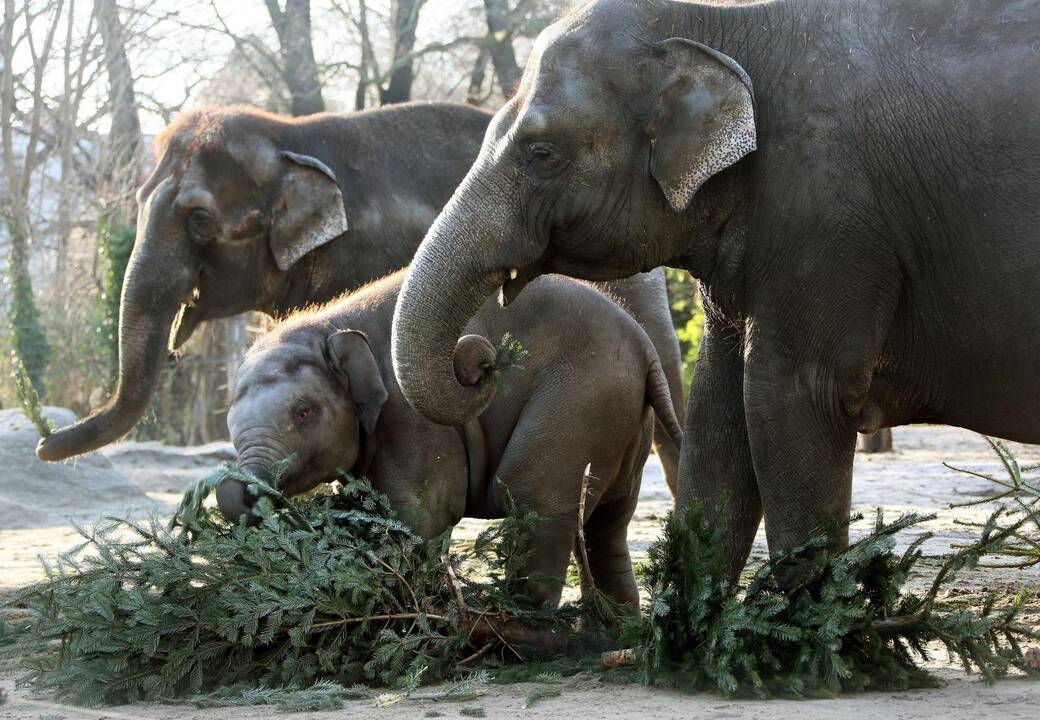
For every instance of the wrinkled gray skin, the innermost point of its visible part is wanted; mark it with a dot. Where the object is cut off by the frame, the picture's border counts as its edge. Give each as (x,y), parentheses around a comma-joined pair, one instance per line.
(875,262)
(320,388)
(251,211)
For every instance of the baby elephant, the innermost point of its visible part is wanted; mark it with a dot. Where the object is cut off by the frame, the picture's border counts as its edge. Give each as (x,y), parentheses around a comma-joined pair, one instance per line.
(320,388)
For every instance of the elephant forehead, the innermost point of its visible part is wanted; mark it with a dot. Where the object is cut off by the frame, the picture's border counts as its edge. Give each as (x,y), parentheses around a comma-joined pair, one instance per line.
(280,368)
(585,64)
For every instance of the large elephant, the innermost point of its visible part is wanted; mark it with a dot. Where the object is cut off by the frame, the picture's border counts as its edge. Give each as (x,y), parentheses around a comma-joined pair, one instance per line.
(252,211)
(875,262)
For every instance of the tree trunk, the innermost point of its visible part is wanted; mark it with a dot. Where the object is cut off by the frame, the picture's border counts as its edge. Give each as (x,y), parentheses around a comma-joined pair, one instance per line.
(27,337)
(125,140)
(500,36)
(475,94)
(299,68)
(406,18)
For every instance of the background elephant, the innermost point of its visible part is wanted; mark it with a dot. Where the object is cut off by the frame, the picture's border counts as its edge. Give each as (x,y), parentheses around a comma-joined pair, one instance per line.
(252,211)
(874,263)
(320,390)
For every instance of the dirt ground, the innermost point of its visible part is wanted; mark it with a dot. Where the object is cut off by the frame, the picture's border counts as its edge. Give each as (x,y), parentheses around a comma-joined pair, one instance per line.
(911,478)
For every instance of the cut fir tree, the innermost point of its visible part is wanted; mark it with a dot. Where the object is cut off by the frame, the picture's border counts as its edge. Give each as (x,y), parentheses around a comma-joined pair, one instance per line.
(332,588)
(848,624)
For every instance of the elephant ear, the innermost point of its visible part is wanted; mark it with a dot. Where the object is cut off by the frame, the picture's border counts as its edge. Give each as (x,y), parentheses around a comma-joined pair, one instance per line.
(308,211)
(704,122)
(350,356)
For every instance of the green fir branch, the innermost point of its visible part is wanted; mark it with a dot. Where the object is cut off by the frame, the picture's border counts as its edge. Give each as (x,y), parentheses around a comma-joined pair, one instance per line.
(28,398)
(849,623)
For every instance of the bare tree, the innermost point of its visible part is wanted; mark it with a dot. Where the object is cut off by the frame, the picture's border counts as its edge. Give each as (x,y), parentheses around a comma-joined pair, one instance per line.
(501,28)
(299,69)
(125,141)
(27,337)
(406,18)
(506,23)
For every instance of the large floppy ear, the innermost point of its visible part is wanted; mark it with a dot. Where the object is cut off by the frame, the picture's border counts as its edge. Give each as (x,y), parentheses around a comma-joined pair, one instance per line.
(350,356)
(308,211)
(704,121)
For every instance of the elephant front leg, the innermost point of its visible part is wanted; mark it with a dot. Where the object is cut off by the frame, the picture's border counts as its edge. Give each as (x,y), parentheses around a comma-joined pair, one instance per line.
(803,447)
(715,465)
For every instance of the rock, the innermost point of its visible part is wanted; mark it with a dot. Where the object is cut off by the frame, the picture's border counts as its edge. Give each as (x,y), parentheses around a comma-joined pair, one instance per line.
(152,452)
(34,493)
(158,468)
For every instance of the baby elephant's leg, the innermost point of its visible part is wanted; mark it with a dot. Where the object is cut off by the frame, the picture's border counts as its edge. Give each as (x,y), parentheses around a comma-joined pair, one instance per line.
(606,540)
(542,474)
(547,565)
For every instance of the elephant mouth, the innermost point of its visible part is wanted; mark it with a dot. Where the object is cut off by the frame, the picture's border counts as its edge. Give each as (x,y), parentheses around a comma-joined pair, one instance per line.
(514,282)
(292,486)
(188,318)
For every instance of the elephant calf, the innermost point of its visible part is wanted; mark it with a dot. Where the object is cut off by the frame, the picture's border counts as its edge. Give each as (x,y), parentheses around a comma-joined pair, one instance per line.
(320,389)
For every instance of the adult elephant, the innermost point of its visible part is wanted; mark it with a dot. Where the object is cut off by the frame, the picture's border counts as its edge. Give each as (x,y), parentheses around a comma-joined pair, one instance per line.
(251,211)
(875,262)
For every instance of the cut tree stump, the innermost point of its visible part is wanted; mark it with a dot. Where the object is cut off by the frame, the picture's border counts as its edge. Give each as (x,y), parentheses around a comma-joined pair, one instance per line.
(878,442)
(1032,657)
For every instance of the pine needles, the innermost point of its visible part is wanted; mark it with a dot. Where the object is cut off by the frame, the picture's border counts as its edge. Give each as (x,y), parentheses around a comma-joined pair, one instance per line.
(1018,496)
(509,355)
(333,594)
(28,398)
(324,594)
(335,590)
(848,625)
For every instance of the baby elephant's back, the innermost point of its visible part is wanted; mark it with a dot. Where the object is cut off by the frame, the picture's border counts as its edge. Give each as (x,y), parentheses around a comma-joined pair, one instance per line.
(586,368)
(564,322)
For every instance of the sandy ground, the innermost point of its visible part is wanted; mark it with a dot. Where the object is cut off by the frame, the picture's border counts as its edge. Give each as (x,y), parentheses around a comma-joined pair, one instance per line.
(911,478)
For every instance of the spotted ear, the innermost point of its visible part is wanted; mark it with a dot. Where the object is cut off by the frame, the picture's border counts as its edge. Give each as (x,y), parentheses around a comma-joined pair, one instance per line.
(350,356)
(308,210)
(704,121)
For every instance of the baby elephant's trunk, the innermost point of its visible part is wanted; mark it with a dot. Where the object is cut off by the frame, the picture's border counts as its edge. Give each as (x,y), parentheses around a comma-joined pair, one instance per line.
(235,500)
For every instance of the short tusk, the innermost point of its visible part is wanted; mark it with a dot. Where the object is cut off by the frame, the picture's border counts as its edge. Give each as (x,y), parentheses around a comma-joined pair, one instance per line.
(512,273)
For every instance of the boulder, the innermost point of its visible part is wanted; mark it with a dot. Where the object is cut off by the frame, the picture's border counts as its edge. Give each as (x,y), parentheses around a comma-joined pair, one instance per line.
(34,493)
(167,469)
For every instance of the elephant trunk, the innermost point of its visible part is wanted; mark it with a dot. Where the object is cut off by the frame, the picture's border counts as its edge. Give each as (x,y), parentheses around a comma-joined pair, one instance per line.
(456,268)
(234,500)
(154,286)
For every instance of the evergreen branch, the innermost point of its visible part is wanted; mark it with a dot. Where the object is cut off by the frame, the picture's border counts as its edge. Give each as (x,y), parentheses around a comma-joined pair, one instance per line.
(325,593)
(28,398)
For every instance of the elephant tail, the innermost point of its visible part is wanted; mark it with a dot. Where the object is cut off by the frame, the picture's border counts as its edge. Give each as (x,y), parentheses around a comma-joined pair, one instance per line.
(660,395)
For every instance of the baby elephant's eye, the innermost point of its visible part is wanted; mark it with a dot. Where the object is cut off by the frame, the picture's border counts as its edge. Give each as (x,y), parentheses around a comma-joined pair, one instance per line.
(304,412)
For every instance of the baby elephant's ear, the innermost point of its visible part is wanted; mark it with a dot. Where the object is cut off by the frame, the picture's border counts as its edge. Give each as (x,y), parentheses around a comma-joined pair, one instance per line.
(704,121)
(350,356)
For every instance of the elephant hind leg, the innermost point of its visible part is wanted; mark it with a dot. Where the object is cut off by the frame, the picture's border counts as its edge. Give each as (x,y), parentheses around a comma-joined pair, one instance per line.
(610,564)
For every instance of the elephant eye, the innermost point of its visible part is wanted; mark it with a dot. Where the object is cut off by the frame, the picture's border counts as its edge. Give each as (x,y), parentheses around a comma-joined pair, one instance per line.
(303,413)
(539,151)
(544,160)
(202,226)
